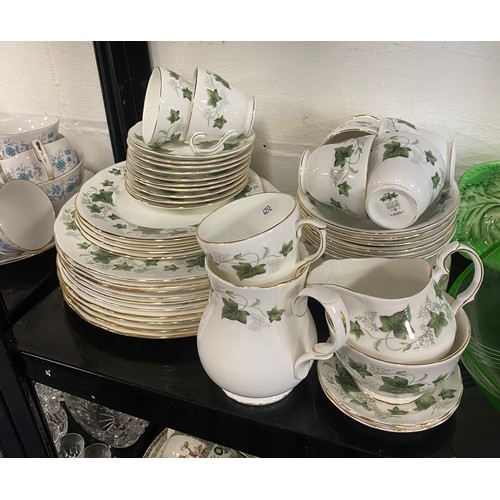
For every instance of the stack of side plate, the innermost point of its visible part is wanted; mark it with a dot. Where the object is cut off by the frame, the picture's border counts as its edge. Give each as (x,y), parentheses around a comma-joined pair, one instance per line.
(172,176)
(352,237)
(130,268)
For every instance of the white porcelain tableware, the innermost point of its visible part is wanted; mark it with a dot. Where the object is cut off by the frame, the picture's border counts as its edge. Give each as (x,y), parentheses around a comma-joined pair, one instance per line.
(167,107)
(26,217)
(401,383)
(16,134)
(25,166)
(397,309)
(258,343)
(58,156)
(220,112)
(62,188)
(255,240)
(406,174)
(336,174)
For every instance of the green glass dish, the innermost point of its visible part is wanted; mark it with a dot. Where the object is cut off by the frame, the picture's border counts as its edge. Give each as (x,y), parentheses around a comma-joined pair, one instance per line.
(478,214)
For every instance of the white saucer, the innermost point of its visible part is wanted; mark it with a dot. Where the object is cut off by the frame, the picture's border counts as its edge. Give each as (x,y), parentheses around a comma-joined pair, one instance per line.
(426,412)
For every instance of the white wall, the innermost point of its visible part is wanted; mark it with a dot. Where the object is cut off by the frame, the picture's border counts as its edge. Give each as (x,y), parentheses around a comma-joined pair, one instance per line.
(303,90)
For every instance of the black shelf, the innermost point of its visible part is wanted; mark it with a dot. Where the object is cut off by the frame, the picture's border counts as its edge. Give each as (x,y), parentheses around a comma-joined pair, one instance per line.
(163,381)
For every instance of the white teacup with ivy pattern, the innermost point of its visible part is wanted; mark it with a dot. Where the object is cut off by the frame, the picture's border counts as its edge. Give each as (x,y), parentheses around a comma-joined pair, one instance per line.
(254,241)
(336,174)
(258,343)
(399,383)
(406,174)
(220,111)
(398,312)
(167,107)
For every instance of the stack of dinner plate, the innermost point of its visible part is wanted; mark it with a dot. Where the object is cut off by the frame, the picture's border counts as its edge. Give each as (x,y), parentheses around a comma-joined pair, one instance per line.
(171,175)
(349,236)
(129,267)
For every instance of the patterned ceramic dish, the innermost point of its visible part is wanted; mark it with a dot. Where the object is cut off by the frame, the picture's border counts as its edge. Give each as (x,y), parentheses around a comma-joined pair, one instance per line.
(428,411)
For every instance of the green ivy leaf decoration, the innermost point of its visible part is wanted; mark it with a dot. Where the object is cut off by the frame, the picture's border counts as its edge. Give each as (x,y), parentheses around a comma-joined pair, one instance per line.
(107,183)
(361,368)
(445,196)
(221,80)
(197,262)
(435,180)
(335,203)
(344,188)
(172,267)
(103,257)
(437,322)
(425,401)
(286,248)
(83,246)
(148,230)
(439,379)
(429,156)
(245,270)
(120,226)
(394,149)
(342,154)
(243,193)
(123,267)
(399,385)
(398,323)
(345,380)
(275,314)
(219,122)
(356,330)
(397,411)
(231,311)
(175,75)
(151,262)
(115,171)
(437,290)
(213,97)
(71,226)
(113,216)
(102,195)
(174,116)
(95,209)
(187,94)
(447,393)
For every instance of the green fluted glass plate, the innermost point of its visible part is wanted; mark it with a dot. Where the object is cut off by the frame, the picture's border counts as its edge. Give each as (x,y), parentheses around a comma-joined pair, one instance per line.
(478,215)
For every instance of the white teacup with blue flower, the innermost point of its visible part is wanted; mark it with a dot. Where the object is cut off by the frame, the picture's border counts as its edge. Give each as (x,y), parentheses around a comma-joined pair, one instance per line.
(59,156)
(25,166)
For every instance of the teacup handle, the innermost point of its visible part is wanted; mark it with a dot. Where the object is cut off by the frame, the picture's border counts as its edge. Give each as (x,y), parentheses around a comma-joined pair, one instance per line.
(338,324)
(303,171)
(213,149)
(43,157)
(441,270)
(320,228)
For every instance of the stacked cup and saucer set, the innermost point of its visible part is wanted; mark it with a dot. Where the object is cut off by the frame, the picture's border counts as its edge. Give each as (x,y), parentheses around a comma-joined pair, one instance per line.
(184,239)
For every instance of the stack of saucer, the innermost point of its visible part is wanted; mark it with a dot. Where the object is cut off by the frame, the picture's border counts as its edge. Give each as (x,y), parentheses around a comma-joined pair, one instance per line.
(171,175)
(351,237)
(131,268)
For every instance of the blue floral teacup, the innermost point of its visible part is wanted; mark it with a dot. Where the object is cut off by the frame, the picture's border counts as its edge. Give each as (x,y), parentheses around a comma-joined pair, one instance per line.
(58,156)
(25,166)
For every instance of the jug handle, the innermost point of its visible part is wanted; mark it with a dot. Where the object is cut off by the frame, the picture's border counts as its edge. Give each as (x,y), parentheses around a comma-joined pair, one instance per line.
(441,270)
(338,324)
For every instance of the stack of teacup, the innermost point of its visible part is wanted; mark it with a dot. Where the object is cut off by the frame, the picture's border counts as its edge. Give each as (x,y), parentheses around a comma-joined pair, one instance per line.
(257,339)
(385,188)
(194,144)
(39,170)
(32,149)
(406,335)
